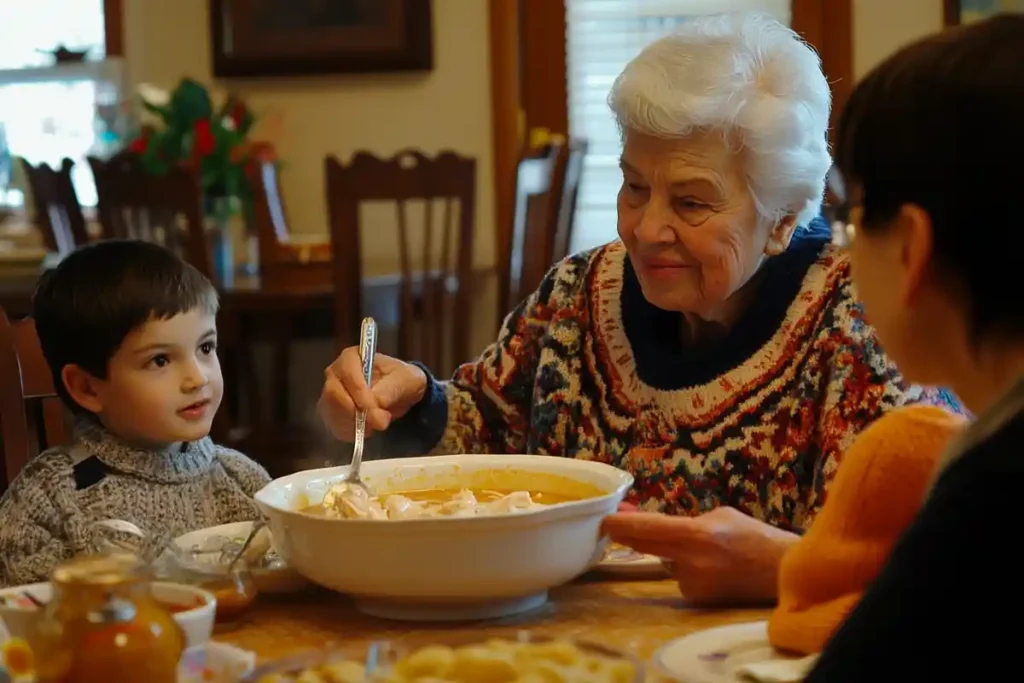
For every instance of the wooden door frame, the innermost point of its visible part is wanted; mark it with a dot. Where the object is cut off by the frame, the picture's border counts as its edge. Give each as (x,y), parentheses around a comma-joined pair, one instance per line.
(113,27)
(521,84)
(507,123)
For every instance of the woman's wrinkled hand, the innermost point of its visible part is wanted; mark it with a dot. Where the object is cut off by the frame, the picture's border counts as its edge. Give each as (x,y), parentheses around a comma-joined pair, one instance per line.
(723,557)
(397,387)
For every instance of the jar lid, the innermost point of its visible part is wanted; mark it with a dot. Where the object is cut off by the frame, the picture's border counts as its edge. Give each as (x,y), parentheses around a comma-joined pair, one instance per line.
(99,570)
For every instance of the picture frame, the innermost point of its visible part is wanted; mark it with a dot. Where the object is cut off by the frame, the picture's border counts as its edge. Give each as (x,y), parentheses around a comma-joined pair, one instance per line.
(269,38)
(957,12)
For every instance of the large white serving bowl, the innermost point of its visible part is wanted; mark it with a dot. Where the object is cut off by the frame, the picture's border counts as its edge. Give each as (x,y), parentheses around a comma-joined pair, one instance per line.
(449,567)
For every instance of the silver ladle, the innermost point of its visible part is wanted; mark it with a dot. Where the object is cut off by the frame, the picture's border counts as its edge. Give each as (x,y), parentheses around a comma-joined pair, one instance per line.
(367,350)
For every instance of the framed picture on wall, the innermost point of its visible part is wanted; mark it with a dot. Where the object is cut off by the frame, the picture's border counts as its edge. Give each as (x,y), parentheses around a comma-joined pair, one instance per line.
(967,11)
(260,38)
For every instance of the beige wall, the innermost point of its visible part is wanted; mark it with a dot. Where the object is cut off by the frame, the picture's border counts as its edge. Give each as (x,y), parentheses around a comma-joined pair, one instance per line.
(880,27)
(446,108)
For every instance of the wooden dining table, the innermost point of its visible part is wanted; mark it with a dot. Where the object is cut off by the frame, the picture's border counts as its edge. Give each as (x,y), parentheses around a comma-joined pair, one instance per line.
(635,616)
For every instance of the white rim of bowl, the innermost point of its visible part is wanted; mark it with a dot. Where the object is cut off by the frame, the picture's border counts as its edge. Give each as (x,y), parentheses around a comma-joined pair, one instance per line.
(538,516)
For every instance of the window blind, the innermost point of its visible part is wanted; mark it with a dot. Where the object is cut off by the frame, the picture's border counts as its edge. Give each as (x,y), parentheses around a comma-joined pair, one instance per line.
(601,37)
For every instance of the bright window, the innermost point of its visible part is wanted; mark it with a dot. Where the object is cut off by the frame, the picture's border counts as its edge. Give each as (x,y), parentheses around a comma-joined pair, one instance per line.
(49,112)
(602,36)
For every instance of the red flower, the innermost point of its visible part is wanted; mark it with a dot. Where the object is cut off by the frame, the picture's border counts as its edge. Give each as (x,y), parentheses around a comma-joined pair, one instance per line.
(203,142)
(238,113)
(141,143)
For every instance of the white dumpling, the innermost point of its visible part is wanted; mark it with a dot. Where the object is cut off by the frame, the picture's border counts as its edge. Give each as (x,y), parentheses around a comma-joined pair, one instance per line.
(352,502)
(343,501)
(400,507)
(462,504)
(361,508)
(516,501)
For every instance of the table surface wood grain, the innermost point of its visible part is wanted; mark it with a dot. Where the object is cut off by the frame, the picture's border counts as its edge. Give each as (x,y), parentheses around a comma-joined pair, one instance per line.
(635,616)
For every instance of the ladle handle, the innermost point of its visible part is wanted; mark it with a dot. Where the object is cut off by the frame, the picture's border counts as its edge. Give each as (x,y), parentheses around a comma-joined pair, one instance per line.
(368,347)
(367,350)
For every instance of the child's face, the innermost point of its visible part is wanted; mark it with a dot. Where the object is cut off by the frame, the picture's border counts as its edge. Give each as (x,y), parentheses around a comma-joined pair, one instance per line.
(164,383)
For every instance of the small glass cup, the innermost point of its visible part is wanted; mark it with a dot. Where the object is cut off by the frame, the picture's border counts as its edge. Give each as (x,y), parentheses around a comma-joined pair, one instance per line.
(228,578)
(231,584)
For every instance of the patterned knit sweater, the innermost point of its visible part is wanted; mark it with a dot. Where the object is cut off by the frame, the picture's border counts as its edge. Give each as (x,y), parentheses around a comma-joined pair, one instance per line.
(45,515)
(587,368)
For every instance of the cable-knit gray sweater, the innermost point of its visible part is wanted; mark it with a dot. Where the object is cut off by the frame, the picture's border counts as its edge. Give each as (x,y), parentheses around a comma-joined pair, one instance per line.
(45,515)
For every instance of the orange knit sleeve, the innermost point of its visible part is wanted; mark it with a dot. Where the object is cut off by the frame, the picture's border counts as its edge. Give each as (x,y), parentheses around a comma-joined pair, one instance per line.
(877,491)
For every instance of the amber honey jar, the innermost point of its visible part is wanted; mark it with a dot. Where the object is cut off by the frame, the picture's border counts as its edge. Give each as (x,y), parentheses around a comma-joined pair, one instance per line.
(103,624)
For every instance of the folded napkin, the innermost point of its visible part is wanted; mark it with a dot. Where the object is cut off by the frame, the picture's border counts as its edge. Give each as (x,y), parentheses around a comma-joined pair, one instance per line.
(778,670)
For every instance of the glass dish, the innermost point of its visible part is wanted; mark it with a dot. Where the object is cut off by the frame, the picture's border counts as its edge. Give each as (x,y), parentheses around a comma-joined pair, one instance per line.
(382,661)
(230,581)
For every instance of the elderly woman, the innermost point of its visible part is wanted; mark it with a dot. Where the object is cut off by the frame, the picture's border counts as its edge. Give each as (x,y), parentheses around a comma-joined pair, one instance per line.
(948,306)
(715,351)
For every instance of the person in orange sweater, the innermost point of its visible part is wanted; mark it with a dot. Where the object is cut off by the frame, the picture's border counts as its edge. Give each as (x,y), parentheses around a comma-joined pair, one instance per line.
(878,490)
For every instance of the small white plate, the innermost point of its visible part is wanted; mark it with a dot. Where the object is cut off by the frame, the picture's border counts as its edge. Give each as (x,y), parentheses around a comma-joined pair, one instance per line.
(624,562)
(716,655)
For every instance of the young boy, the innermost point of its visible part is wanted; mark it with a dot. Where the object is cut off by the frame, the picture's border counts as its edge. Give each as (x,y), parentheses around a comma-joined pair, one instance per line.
(129,332)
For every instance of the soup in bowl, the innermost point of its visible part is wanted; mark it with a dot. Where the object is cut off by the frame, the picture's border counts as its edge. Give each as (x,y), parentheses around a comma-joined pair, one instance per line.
(454,494)
(446,537)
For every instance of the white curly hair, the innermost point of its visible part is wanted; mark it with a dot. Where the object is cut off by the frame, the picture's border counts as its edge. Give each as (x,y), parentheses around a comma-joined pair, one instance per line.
(751,77)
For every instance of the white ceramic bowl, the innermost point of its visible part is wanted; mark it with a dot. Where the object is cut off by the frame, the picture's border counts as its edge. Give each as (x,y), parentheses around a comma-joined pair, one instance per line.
(449,567)
(197,623)
(285,580)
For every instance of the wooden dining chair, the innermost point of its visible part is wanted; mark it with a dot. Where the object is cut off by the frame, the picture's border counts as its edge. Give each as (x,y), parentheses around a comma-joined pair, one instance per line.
(32,416)
(283,264)
(434,289)
(58,214)
(530,246)
(166,209)
(571,176)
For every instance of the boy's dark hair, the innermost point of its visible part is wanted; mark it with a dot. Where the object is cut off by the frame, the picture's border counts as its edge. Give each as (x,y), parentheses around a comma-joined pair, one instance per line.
(86,306)
(940,125)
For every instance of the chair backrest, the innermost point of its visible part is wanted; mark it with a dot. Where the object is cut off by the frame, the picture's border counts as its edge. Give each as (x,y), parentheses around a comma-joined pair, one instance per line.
(58,213)
(531,239)
(166,209)
(434,293)
(32,417)
(283,266)
(571,178)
